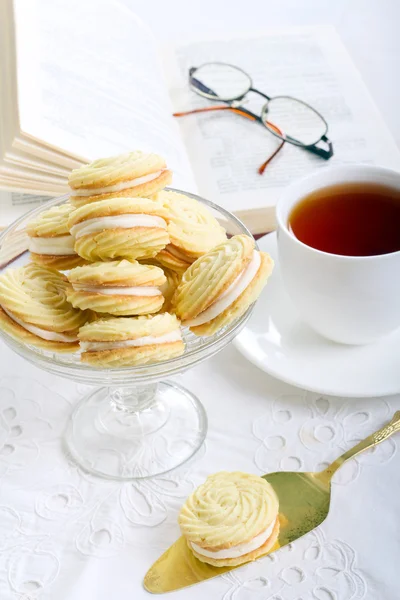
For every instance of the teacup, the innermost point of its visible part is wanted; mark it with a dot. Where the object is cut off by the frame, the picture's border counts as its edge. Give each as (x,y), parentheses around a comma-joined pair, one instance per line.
(347,299)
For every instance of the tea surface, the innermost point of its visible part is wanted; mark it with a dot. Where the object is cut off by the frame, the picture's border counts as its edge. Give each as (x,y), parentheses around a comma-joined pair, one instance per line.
(353,219)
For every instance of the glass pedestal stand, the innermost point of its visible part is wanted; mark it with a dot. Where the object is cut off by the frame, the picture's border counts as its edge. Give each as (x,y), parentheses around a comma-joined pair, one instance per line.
(138,425)
(136,432)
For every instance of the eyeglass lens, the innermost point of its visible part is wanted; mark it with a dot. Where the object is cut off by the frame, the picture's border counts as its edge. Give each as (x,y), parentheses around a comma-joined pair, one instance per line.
(298,121)
(218,80)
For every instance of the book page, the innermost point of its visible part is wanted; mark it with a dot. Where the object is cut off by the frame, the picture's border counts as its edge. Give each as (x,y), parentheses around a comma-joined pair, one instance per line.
(27,161)
(226,149)
(91,85)
(34,175)
(14,204)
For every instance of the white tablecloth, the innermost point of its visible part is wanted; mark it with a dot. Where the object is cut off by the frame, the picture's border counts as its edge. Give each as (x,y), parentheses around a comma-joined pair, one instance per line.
(65,535)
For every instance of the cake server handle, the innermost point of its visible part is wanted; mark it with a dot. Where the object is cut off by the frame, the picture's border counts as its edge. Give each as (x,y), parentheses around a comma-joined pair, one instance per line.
(369,442)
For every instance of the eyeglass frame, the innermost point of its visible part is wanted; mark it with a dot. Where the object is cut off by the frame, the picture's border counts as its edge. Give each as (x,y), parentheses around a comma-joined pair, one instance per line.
(206,92)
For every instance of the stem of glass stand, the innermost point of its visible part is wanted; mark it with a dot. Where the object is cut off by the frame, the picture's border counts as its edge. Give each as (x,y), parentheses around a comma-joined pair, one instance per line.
(134,411)
(133,399)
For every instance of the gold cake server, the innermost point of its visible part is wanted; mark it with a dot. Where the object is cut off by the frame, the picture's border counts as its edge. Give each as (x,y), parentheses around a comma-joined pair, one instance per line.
(304,500)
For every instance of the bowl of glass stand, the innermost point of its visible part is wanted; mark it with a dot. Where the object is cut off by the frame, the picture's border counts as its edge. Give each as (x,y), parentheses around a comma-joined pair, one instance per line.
(135,424)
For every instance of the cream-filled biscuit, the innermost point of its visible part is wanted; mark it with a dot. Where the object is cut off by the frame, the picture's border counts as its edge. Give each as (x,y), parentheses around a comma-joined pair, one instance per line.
(119,288)
(131,228)
(50,242)
(131,341)
(131,174)
(169,287)
(173,279)
(192,229)
(35,309)
(231,519)
(173,258)
(220,286)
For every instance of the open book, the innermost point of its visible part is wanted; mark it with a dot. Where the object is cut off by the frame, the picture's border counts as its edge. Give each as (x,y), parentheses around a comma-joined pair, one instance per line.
(83,80)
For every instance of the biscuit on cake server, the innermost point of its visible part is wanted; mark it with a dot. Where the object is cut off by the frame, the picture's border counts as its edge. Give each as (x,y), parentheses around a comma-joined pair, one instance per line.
(131,174)
(220,286)
(50,242)
(131,228)
(192,228)
(131,341)
(34,308)
(117,287)
(230,519)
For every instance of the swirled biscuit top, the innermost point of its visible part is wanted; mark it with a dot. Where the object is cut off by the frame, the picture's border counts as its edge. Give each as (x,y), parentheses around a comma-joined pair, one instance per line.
(117,206)
(128,328)
(210,275)
(114,169)
(51,223)
(37,295)
(228,509)
(191,225)
(117,273)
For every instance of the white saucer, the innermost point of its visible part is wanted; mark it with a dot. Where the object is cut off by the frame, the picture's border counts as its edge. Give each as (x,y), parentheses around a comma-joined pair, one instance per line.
(276,341)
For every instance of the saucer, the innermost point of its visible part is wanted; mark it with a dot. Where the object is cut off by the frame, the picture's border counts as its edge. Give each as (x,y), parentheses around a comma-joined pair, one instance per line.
(278,342)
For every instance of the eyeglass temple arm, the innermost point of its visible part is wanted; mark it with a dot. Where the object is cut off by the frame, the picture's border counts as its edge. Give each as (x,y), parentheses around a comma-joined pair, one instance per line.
(325,154)
(244,113)
(239,111)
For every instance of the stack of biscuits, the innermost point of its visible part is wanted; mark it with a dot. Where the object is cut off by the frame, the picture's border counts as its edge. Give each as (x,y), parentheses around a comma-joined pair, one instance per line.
(140,263)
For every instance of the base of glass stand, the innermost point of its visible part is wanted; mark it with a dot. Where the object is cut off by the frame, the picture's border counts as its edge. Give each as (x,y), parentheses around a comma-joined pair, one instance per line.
(136,432)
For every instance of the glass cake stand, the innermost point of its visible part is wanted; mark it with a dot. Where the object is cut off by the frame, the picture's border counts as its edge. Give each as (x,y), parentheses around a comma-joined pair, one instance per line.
(137,424)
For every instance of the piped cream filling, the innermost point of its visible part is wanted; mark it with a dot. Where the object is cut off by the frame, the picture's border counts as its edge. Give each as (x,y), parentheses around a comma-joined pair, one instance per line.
(62,245)
(230,295)
(123,221)
(50,336)
(116,187)
(240,549)
(118,291)
(147,340)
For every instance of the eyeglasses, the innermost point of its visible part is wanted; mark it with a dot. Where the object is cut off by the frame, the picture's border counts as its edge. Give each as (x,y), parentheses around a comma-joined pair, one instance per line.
(289,119)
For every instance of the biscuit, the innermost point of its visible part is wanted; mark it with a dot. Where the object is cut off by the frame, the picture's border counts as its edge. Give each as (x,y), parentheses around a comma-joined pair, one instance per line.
(131,228)
(230,519)
(34,298)
(173,258)
(131,341)
(50,242)
(133,174)
(169,287)
(20,334)
(220,286)
(192,229)
(266,548)
(119,288)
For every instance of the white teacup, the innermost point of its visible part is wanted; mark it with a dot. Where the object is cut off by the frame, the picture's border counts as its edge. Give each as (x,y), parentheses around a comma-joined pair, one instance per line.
(348,299)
